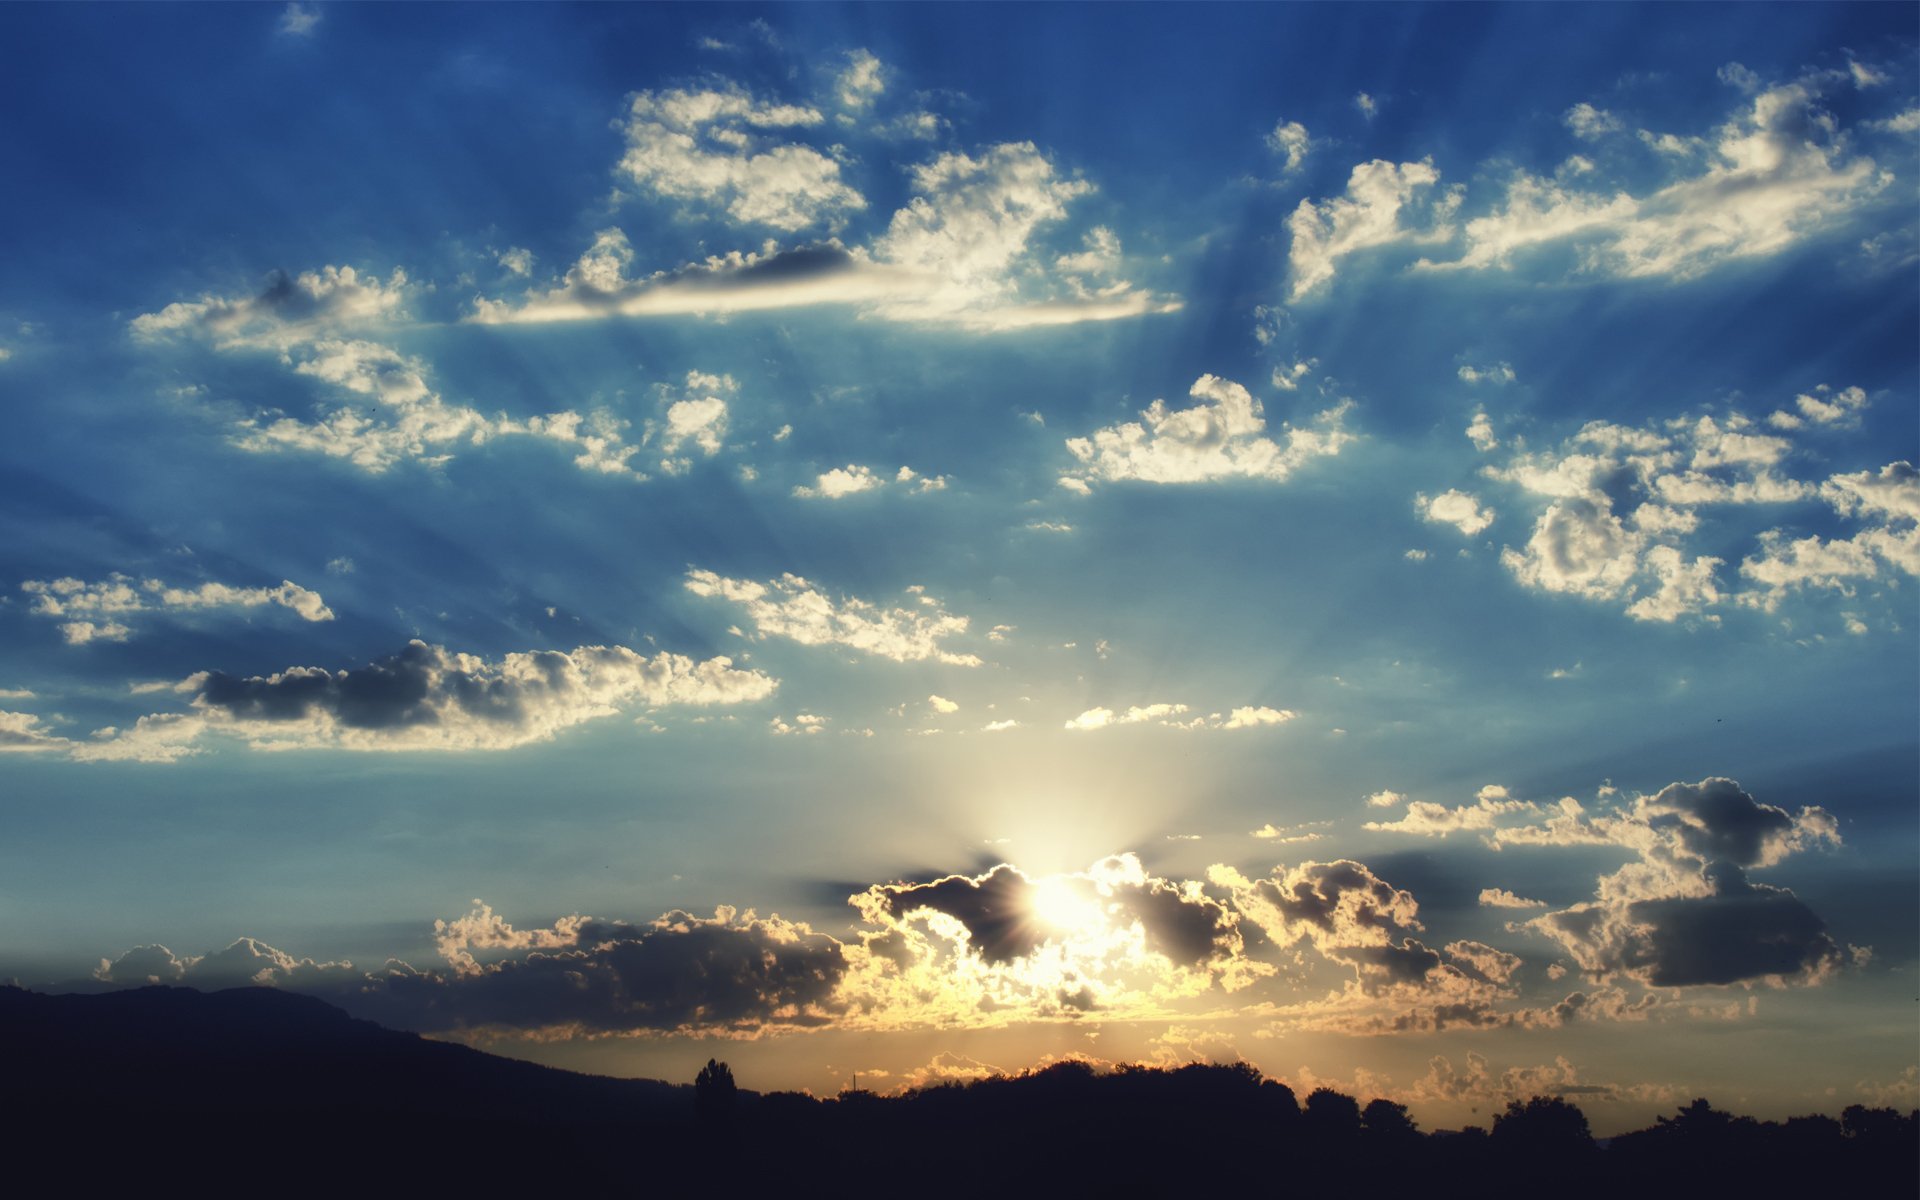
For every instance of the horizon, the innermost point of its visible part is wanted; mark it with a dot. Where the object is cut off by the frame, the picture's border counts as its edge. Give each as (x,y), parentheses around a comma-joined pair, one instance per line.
(1375,542)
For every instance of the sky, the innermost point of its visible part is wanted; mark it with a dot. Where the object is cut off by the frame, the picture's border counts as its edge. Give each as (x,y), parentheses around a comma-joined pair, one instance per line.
(921,541)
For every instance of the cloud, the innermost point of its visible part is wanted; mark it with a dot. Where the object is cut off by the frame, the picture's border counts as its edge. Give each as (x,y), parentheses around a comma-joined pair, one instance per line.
(862,82)
(1888,501)
(1289,139)
(717,149)
(1502,898)
(408,420)
(791,607)
(1250,717)
(1219,437)
(942,705)
(1480,433)
(291,310)
(963,252)
(1367,216)
(1685,913)
(1428,819)
(427,698)
(1367,105)
(1826,407)
(1497,373)
(841,481)
(1778,171)
(697,419)
(243,963)
(1589,122)
(299,20)
(1339,907)
(1456,508)
(95,611)
(26,733)
(1386,799)
(1625,510)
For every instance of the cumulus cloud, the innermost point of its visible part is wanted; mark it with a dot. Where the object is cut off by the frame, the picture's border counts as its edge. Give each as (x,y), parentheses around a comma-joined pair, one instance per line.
(26,733)
(98,611)
(426,698)
(1823,407)
(1887,502)
(1248,717)
(1685,913)
(290,310)
(1502,898)
(791,607)
(1453,507)
(1369,215)
(1428,819)
(1625,509)
(724,149)
(1778,171)
(861,83)
(243,963)
(964,251)
(1289,139)
(695,420)
(1589,122)
(1219,437)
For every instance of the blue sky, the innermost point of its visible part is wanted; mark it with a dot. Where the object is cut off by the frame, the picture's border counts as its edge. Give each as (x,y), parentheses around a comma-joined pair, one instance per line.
(1395,524)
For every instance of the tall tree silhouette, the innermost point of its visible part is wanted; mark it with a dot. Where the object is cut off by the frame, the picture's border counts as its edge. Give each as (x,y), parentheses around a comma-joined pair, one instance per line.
(714,1093)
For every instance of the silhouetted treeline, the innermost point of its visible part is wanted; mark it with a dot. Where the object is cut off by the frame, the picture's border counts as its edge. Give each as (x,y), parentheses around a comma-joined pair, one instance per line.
(234,1089)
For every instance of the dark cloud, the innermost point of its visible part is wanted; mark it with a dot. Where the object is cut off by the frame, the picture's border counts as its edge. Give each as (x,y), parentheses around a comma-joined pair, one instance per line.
(1717,822)
(680,972)
(1742,931)
(997,909)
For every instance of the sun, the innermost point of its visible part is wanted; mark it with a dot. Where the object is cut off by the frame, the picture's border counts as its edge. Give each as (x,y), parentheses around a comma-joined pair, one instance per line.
(1062,906)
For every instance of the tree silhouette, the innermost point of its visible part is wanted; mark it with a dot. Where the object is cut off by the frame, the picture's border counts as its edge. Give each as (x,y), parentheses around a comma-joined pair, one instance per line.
(714,1093)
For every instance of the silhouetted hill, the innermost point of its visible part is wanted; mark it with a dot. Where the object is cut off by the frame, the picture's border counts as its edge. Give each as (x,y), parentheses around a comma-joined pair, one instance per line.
(226,1089)
(261,1077)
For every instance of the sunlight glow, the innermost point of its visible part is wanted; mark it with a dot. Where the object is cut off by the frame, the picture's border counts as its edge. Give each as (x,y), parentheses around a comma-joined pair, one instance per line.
(1061,905)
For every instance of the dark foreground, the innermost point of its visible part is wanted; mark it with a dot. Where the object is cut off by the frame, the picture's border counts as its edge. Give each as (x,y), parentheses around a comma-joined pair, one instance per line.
(260,1091)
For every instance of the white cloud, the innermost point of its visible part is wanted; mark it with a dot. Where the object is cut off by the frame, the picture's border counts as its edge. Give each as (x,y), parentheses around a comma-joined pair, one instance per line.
(1778,171)
(298,20)
(999,726)
(26,733)
(791,607)
(1289,138)
(1428,819)
(427,698)
(1480,433)
(962,252)
(292,310)
(1162,713)
(717,148)
(842,481)
(942,705)
(862,82)
(91,612)
(1497,373)
(1368,215)
(1589,122)
(1888,502)
(1825,407)
(1386,799)
(1367,105)
(1456,508)
(1625,508)
(698,418)
(516,259)
(1218,438)
(1502,898)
